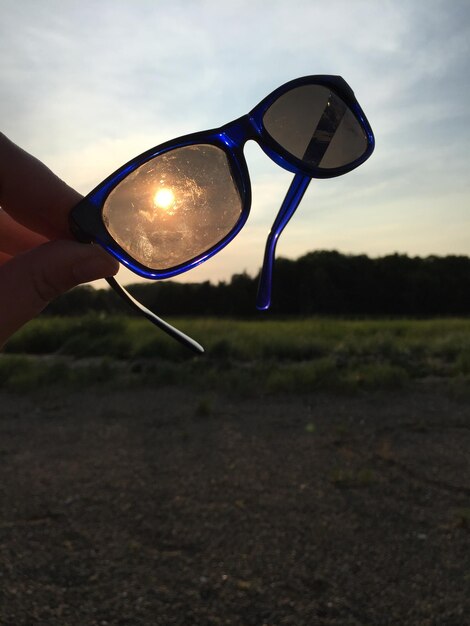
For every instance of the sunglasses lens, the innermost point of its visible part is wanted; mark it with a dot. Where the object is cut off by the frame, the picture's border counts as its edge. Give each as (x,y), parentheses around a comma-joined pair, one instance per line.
(316,126)
(175,207)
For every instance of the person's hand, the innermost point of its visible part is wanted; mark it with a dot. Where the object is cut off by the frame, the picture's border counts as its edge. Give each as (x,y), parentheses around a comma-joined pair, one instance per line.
(38,258)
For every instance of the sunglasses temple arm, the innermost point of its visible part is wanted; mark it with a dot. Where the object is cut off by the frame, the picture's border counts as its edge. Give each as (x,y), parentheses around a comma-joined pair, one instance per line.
(292,200)
(167,328)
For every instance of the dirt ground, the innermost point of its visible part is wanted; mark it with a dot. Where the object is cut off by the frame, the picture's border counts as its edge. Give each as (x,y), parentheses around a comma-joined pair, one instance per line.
(172,507)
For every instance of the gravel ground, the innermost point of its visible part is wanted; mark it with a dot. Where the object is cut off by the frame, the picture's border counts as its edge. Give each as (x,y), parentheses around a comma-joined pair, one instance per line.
(172,507)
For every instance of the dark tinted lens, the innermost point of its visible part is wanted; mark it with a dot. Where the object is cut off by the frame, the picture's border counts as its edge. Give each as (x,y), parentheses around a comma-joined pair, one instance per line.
(315,125)
(174,207)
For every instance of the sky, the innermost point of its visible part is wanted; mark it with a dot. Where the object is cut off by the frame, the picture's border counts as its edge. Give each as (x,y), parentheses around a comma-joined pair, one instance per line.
(86,85)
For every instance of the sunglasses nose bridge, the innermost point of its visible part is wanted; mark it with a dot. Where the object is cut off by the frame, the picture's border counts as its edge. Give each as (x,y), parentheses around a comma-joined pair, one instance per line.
(238,132)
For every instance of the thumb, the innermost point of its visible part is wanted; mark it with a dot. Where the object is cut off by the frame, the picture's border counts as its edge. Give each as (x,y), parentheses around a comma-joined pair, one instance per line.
(29,281)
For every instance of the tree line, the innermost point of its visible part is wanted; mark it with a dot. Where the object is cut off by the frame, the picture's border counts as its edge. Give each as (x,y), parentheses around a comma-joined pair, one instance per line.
(318,283)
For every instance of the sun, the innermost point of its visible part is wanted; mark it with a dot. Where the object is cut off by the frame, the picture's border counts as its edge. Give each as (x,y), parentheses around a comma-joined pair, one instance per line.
(163,198)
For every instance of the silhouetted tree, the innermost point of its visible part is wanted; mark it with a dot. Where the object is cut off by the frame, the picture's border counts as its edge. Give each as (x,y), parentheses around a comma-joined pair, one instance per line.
(318,283)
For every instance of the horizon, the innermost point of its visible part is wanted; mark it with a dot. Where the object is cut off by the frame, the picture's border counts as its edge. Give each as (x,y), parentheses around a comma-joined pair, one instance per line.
(253,276)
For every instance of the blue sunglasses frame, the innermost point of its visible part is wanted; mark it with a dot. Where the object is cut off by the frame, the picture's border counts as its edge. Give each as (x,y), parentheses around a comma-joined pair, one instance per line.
(87,223)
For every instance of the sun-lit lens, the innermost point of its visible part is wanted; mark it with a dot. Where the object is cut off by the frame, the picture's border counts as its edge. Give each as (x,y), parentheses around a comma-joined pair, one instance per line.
(175,207)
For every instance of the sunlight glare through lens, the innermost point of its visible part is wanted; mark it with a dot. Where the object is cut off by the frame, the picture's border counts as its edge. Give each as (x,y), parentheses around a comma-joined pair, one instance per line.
(163,199)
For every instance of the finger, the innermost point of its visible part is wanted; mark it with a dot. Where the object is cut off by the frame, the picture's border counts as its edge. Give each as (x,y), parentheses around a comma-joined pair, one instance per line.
(34,278)
(32,194)
(15,238)
(4,258)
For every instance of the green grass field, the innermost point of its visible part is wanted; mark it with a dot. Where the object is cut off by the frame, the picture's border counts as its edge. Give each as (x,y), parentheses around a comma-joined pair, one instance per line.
(295,355)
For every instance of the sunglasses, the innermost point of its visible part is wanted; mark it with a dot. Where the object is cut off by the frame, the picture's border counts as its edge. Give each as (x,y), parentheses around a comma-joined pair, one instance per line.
(176,205)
